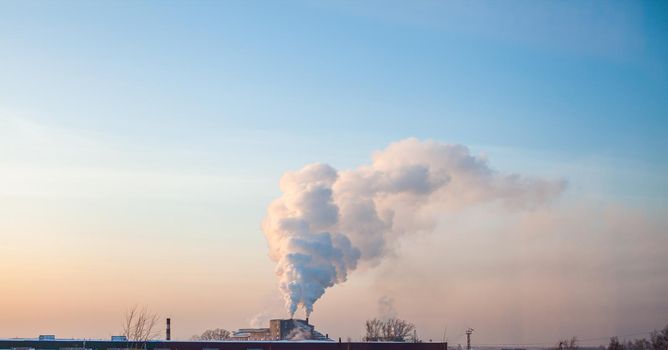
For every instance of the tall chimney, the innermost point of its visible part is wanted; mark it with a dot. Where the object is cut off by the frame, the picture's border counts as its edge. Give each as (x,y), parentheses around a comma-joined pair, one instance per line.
(169,329)
(306,320)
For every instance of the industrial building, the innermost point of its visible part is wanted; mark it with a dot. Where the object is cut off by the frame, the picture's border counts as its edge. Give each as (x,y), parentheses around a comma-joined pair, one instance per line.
(288,329)
(251,334)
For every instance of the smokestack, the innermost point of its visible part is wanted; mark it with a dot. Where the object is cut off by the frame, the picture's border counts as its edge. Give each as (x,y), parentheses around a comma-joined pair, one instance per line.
(306,320)
(169,329)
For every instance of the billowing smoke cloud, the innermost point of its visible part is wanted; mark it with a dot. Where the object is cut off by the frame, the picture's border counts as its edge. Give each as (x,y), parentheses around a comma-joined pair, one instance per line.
(328,221)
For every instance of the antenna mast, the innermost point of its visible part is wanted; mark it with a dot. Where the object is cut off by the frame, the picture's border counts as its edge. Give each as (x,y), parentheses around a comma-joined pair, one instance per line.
(468,338)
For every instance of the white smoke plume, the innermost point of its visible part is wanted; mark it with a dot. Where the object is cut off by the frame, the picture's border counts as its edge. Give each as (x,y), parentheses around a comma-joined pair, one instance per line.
(386,308)
(260,320)
(328,221)
(299,332)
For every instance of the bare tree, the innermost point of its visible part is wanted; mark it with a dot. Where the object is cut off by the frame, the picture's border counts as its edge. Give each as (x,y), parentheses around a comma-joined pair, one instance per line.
(392,329)
(568,344)
(638,344)
(414,337)
(659,339)
(374,329)
(139,324)
(615,344)
(397,330)
(213,334)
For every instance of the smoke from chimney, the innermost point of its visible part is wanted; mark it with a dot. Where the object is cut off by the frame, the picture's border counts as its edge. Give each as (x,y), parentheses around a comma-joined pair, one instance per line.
(386,308)
(328,221)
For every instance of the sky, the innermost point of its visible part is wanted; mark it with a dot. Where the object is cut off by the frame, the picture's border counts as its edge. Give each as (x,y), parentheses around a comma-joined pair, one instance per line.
(141,143)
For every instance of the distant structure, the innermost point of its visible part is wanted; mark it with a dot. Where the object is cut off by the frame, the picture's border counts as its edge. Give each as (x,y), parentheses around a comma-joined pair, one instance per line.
(168,330)
(251,334)
(288,329)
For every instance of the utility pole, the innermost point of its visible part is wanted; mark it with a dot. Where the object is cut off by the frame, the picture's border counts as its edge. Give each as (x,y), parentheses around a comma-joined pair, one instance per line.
(468,338)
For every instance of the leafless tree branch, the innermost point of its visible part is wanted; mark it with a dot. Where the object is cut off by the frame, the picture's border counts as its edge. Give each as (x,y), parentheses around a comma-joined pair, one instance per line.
(139,325)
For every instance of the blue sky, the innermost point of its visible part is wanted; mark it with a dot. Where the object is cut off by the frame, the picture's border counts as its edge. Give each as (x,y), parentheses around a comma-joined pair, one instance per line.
(587,79)
(125,113)
(553,76)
